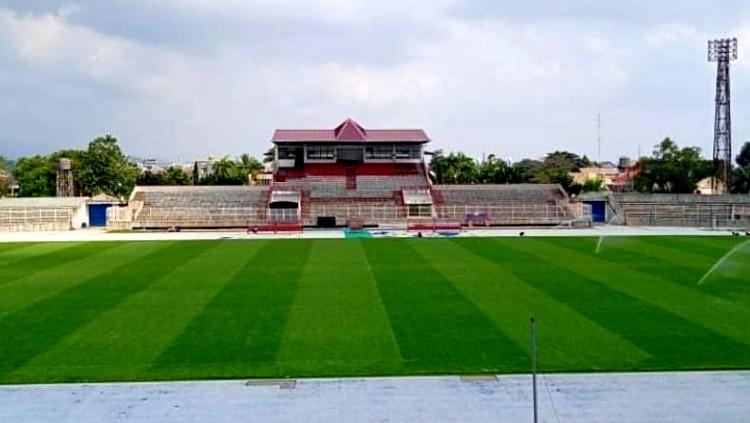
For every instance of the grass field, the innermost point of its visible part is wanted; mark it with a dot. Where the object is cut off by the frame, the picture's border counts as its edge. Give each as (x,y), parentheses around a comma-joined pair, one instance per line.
(234,309)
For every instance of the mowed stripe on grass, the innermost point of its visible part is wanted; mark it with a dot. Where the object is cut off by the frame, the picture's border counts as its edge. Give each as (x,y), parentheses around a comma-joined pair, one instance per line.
(32,330)
(337,323)
(122,343)
(239,332)
(509,302)
(50,256)
(729,281)
(38,285)
(701,308)
(13,252)
(437,329)
(277,308)
(620,301)
(672,261)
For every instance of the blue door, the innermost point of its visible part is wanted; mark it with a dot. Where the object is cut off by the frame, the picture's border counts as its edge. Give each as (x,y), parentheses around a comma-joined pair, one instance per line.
(598,213)
(98,214)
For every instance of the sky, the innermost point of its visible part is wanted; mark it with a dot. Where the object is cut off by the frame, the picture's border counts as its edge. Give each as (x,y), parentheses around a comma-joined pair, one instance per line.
(182,79)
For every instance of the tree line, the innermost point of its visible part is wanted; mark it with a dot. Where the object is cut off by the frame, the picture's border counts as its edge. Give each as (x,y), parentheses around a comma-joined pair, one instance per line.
(100,168)
(670,169)
(225,171)
(103,168)
(555,168)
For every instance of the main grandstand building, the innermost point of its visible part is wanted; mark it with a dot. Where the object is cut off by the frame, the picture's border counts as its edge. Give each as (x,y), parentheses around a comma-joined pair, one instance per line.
(349,176)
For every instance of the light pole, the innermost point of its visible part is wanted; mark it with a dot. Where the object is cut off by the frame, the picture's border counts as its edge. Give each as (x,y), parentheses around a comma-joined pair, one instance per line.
(532,328)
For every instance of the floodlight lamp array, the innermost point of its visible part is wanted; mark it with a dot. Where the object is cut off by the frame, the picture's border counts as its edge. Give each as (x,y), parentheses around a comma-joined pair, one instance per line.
(723,49)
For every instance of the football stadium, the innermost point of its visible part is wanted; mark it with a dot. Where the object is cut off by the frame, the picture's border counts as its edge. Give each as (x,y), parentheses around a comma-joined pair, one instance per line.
(358,211)
(351,262)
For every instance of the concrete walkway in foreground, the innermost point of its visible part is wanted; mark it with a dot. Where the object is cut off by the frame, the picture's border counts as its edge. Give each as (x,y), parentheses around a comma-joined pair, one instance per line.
(625,397)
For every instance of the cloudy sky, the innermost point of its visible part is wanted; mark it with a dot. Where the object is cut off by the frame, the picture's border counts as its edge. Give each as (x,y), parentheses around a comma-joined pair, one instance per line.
(179,79)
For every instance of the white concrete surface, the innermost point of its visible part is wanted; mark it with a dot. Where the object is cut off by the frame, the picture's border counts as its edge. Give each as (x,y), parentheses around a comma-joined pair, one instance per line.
(102,235)
(627,397)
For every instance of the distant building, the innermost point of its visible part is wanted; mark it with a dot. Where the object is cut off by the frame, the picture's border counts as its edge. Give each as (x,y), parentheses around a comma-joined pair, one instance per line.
(151,166)
(204,167)
(706,187)
(7,179)
(606,174)
(614,177)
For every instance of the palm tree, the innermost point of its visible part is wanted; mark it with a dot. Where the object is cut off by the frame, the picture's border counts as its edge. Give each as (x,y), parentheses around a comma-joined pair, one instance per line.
(224,169)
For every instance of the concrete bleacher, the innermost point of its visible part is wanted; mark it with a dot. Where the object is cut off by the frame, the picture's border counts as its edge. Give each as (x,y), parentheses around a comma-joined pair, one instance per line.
(687,210)
(43,214)
(197,206)
(383,185)
(518,204)
(371,212)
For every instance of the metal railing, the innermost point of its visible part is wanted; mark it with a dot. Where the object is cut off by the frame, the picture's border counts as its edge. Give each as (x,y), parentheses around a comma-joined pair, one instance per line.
(36,219)
(529,214)
(687,215)
(511,214)
(196,216)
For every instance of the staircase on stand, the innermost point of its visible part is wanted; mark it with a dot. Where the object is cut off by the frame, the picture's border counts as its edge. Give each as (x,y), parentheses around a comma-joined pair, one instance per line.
(438,202)
(398,198)
(351,177)
(305,208)
(262,213)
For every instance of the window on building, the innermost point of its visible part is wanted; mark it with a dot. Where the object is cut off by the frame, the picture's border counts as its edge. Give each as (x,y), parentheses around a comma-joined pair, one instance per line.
(321,152)
(407,151)
(419,210)
(285,152)
(379,152)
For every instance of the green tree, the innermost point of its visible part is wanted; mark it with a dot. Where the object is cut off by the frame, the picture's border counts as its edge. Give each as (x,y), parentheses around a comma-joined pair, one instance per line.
(196,178)
(455,168)
(5,164)
(228,172)
(33,177)
(151,178)
(743,159)
(6,169)
(176,176)
(524,171)
(106,169)
(671,169)
(593,185)
(556,169)
(741,180)
(494,171)
(4,184)
(224,170)
(572,160)
(249,164)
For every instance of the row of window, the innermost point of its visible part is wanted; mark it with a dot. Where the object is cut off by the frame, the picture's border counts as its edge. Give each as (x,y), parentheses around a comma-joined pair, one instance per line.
(393,152)
(374,152)
(321,152)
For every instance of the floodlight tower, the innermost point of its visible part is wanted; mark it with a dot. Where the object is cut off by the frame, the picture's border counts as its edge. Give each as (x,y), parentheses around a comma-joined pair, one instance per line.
(722,51)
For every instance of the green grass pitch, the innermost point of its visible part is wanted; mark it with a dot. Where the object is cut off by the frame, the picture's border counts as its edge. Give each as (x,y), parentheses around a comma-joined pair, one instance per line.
(294,308)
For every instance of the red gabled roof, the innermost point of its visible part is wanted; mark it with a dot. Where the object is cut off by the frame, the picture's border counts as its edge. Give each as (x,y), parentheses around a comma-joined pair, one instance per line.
(349,131)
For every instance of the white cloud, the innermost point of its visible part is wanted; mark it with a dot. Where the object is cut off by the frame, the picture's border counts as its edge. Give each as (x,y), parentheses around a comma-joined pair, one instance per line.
(518,87)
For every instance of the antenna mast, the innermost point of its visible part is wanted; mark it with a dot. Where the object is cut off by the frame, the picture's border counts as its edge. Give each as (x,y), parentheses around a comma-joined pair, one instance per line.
(599,138)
